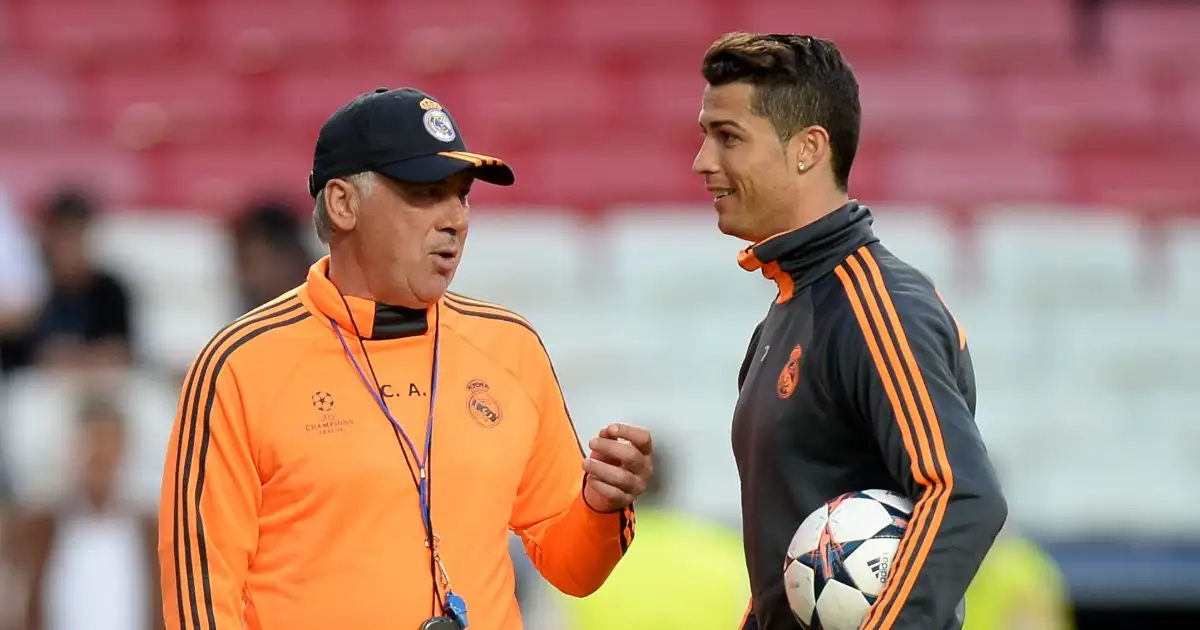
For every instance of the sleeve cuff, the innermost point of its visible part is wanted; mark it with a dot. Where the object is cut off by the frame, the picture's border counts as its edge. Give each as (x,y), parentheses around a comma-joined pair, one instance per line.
(616,526)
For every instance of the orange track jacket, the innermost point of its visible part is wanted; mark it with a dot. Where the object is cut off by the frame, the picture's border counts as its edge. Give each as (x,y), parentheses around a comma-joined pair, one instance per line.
(286,499)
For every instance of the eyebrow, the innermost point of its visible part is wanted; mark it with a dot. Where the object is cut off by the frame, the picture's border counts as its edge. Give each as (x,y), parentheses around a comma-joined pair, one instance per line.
(724,122)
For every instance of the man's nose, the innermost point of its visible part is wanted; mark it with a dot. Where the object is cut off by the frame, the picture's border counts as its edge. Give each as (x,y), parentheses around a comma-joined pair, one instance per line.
(454,220)
(705,161)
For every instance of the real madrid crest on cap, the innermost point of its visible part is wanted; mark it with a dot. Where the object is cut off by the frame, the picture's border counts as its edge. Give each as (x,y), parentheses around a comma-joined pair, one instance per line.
(438,124)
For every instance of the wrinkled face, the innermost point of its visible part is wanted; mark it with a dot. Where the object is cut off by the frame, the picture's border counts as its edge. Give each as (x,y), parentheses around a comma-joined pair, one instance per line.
(409,238)
(745,166)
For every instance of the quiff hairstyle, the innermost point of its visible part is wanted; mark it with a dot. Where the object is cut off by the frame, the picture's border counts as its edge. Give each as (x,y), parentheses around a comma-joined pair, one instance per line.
(799,81)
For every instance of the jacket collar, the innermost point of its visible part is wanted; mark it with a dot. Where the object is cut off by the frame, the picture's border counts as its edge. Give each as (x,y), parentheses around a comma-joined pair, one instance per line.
(797,258)
(373,320)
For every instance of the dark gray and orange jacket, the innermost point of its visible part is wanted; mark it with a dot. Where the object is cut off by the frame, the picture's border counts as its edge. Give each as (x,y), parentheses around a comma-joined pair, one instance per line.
(858,378)
(287,502)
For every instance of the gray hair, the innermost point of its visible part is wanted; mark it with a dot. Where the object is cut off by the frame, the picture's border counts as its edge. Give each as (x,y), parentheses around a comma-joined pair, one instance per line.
(363,182)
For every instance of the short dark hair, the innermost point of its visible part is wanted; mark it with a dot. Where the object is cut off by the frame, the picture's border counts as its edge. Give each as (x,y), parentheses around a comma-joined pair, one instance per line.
(270,221)
(799,81)
(69,205)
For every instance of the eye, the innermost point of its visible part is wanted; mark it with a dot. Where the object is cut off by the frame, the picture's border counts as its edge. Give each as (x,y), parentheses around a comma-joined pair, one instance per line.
(727,138)
(463,194)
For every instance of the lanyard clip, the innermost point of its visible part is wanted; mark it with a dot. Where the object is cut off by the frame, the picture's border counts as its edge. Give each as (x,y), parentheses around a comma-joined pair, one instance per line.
(435,549)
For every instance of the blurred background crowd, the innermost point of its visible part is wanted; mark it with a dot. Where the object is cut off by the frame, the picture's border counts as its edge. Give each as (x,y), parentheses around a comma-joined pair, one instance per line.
(1037,158)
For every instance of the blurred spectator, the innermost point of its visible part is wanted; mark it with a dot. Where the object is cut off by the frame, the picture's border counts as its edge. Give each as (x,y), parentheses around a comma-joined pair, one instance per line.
(270,251)
(680,572)
(21,277)
(1018,587)
(85,319)
(89,562)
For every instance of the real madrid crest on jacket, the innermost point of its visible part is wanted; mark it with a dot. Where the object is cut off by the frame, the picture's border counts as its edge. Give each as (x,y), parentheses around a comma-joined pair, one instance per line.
(481,405)
(857,358)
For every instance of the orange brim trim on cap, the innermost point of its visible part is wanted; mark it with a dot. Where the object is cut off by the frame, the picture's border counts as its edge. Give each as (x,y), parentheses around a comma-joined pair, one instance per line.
(475,159)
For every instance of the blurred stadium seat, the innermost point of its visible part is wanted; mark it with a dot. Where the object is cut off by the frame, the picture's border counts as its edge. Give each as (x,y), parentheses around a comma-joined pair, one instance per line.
(525,259)
(30,171)
(864,29)
(80,30)
(1183,263)
(33,96)
(37,420)
(1021,35)
(1044,257)
(294,26)
(1158,37)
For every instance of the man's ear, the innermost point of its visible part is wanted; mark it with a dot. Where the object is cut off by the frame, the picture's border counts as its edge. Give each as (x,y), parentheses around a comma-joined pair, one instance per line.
(343,204)
(808,147)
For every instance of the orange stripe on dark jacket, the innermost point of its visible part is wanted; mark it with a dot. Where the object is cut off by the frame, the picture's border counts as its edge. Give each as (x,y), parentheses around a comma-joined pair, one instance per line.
(918,425)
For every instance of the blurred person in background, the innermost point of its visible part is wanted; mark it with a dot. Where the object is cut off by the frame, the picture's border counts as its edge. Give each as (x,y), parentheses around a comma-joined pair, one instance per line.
(685,572)
(781,120)
(89,561)
(22,279)
(1018,587)
(270,254)
(12,587)
(85,320)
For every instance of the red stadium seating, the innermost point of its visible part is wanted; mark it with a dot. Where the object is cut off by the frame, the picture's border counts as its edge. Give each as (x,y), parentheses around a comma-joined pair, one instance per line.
(903,103)
(219,178)
(101,30)
(192,102)
(30,171)
(31,95)
(965,175)
(1017,34)
(864,29)
(1091,108)
(1153,36)
(634,33)
(428,37)
(178,102)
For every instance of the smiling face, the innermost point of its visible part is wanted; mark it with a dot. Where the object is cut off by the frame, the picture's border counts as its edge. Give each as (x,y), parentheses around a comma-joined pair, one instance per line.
(745,165)
(407,238)
(780,119)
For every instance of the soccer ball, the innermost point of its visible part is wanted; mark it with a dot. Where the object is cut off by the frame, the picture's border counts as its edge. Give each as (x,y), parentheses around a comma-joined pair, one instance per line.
(838,560)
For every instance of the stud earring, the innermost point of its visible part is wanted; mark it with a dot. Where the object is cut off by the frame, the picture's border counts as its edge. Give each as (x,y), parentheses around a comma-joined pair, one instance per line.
(802,167)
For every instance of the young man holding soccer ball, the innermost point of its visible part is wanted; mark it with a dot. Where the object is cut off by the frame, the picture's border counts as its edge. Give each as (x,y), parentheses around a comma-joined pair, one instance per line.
(859,377)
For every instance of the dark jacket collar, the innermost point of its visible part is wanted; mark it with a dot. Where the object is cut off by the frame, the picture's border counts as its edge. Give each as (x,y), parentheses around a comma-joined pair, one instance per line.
(797,258)
(372,319)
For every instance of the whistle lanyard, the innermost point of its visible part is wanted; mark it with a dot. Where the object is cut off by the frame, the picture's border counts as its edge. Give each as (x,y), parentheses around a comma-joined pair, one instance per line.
(422,458)
(453,602)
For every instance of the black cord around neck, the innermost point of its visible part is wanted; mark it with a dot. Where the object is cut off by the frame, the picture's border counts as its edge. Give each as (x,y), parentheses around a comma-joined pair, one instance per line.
(433,571)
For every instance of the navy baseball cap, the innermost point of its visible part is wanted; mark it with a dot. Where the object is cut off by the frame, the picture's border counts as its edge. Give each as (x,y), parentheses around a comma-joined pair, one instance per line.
(404,134)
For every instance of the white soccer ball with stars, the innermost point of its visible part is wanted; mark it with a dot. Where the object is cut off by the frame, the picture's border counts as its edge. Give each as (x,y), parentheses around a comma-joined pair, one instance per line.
(840,557)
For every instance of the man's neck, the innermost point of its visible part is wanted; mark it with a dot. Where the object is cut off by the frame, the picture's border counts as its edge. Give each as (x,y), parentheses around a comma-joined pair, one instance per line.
(810,209)
(347,276)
